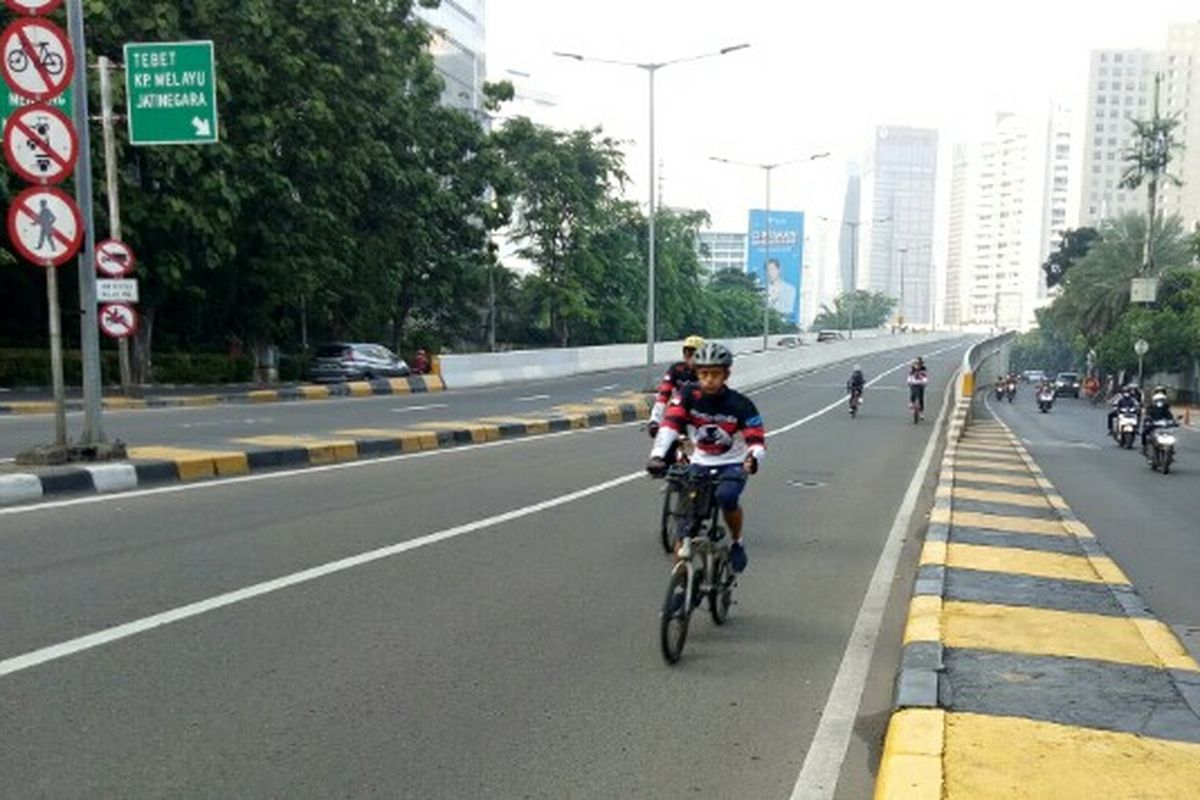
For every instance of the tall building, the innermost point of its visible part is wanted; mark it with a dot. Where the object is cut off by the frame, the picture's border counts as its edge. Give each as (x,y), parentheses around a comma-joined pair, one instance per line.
(899,185)
(720,250)
(850,212)
(1121,85)
(954,255)
(459,48)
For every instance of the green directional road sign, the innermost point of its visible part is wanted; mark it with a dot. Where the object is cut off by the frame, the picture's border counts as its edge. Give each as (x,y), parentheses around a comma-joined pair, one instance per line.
(10,101)
(171,91)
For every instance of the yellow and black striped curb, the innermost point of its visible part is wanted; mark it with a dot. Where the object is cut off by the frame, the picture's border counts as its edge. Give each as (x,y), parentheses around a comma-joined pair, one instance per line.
(1031,667)
(413,384)
(157,465)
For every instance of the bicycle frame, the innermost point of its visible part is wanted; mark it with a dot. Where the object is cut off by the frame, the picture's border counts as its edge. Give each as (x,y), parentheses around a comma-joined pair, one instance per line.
(701,534)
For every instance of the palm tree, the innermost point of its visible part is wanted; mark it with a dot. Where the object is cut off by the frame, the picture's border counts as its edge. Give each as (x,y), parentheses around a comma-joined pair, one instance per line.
(1147,161)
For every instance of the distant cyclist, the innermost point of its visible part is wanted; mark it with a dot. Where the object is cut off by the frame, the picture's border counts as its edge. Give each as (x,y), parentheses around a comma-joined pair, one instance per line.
(918,376)
(856,384)
(727,432)
(679,373)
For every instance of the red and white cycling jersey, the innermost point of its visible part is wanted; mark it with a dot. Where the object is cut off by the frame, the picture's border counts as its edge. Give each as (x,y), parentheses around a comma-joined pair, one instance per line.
(724,427)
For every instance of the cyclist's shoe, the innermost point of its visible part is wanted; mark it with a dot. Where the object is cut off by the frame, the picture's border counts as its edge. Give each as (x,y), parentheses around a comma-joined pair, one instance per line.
(697,595)
(737,557)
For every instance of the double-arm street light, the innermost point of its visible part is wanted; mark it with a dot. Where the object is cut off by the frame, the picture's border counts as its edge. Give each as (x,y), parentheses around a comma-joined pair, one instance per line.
(854,225)
(651,68)
(767,170)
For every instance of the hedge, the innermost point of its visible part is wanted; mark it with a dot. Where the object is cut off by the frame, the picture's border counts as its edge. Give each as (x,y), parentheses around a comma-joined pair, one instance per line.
(20,367)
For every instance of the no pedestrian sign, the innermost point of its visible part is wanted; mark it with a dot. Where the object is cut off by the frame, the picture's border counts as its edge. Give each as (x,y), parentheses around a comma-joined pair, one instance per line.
(45,226)
(38,60)
(171,92)
(40,144)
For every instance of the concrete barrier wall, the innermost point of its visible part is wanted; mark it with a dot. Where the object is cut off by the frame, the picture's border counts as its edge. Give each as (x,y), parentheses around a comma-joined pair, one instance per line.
(487,369)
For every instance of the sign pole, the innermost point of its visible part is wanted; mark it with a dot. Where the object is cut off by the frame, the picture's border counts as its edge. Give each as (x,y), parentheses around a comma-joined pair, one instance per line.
(56,359)
(93,425)
(113,192)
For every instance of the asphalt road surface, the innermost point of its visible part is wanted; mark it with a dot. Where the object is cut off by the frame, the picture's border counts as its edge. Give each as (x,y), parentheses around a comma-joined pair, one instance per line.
(497,634)
(1148,522)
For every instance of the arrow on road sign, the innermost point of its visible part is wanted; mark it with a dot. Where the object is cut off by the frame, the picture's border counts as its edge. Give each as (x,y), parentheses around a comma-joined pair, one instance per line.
(45,226)
(202,126)
(40,144)
(38,59)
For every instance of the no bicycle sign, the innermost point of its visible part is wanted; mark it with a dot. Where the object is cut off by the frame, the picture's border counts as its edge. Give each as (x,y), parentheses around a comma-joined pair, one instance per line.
(38,59)
(33,7)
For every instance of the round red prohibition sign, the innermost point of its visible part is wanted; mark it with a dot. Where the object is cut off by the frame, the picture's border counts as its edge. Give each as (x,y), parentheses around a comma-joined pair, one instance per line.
(40,144)
(33,7)
(114,259)
(45,226)
(118,320)
(38,59)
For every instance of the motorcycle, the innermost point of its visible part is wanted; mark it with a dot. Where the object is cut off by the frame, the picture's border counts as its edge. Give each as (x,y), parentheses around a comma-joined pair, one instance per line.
(999,392)
(1159,448)
(1125,428)
(1045,399)
(1010,390)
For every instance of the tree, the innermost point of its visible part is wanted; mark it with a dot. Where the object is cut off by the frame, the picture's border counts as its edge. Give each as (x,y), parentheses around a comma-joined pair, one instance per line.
(871,310)
(1154,145)
(1072,248)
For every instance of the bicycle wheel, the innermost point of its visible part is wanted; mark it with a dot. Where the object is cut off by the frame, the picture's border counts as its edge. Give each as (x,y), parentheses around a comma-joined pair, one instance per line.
(666,521)
(18,61)
(720,597)
(53,63)
(674,625)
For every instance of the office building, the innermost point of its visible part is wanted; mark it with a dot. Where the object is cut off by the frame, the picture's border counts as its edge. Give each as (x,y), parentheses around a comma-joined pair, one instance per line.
(850,210)
(899,185)
(720,250)
(954,257)
(459,48)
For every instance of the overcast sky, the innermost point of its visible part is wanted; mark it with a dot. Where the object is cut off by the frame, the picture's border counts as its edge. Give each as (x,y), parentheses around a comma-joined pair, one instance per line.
(818,76)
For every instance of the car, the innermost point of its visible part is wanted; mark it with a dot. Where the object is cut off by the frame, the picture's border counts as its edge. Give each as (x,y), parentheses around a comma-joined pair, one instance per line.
(829,336)
(1033,376)
(1066,383)
(355,361)
(788,341)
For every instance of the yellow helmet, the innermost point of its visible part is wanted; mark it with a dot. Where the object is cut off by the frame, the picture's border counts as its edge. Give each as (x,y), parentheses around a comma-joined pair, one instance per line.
(693,342)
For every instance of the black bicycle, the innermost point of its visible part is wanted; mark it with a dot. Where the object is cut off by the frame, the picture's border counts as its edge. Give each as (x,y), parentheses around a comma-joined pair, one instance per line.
(702,569)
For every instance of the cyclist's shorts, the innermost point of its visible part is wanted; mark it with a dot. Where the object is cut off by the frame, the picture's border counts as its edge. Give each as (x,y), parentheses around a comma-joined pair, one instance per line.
(732,482)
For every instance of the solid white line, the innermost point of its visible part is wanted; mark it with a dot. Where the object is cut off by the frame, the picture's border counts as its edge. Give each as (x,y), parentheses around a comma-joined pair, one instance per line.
(100,638)
(429,407)
(823,763)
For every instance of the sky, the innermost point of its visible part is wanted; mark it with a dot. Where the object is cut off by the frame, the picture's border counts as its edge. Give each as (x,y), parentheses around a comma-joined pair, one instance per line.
(817,77)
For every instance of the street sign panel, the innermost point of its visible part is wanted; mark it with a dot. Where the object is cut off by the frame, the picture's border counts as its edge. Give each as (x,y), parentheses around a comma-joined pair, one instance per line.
(118,320)
(33,6)
(38,60)
(170,88)
(114,259)
(117,290)
(40,144)
(1143,290)
(45,226)
(10,101)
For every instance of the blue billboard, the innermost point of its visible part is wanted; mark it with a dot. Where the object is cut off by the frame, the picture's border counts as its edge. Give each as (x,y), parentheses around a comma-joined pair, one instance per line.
(781,260)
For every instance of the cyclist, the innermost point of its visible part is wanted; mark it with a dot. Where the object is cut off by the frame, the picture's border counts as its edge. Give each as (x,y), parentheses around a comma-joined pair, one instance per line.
(727,432)
(917,378)
(856,384)
(680,373)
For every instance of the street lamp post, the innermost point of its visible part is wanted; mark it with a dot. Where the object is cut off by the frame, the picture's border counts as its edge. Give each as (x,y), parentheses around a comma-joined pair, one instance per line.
(854,225)
(767,170)
(651,69)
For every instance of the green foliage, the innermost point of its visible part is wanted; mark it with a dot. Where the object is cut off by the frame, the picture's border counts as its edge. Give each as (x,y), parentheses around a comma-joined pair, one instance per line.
(1170,334)
(870,310)
(1072,248)
(1046,347)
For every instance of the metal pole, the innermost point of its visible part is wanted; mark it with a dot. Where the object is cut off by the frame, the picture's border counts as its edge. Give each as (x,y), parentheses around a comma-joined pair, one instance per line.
(491,308)
(650,333)
(1140,381)
(766,278)
(89,336)
(113,190)
(903,253)
(56,358)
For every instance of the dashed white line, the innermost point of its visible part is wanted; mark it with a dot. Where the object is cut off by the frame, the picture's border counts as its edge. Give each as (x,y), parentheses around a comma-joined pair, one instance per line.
(608,388)
(429,407)
(533,397)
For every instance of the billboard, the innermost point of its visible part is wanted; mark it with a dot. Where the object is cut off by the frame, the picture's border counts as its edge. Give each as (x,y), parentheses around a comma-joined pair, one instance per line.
(781,258)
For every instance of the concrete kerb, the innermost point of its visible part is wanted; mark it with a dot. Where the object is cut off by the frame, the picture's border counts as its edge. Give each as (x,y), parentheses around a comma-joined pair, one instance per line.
(188,466)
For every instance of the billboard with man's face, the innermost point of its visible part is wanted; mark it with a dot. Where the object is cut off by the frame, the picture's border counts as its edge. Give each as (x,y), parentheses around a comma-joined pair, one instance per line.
(780,258)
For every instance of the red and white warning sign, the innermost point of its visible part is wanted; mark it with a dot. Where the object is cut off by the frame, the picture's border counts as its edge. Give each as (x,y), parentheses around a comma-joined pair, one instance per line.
(118,320)
(40,144)
(33,6)
(114,259)
(45,226)
(38,60)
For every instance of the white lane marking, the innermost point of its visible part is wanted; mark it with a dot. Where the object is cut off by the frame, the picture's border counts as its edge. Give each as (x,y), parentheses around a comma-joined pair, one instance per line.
(100,638)
(608,388)
(116,633)
(823,763)
(429,407)
(531,398)
(228,423)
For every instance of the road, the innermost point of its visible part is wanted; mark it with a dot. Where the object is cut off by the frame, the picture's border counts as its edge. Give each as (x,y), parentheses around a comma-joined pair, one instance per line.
(499,639)
(1146,521)
(228,422)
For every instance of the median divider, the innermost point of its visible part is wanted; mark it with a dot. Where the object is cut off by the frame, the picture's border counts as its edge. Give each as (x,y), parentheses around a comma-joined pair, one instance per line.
(161,465)
(1030,665)
(413,384)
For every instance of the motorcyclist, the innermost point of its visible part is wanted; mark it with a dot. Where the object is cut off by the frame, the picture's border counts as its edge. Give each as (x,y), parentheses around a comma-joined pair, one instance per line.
(727,431)
(1158,414)
(856,383)
(679,373)
(1125,401)
(917,378)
